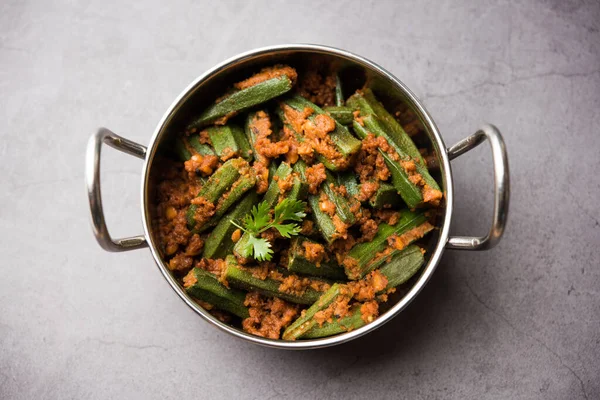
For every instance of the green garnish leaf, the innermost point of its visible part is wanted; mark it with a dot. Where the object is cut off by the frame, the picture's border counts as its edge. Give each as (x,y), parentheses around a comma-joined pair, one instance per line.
(259,220)
(288,230)
(289,210)
(261,248)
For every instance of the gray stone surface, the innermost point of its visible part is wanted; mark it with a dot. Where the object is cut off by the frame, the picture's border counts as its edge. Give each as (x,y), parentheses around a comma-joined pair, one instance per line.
(519,321)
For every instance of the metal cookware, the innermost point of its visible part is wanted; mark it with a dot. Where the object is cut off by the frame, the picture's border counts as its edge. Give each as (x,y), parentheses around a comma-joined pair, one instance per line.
(211,84)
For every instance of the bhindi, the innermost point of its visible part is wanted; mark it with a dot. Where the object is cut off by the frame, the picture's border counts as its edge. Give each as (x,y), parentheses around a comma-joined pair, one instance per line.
(365,254)
(409,191)
(205,286)
(229,139)
(348,180)
(343,140)
(219,183)
(296,262)
(373,124)
(403,265)
(243,99)
(343,115)
(186,147)
(352,321)
(241,186)
(342,205)
(385,197)
(307,320)
(218,243)
(239,277)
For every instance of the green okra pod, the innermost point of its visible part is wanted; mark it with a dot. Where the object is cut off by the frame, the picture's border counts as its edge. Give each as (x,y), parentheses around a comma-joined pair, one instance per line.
(409,191)
(342,205)
(187,146)
(348,180)
(350,322)
(229,139)
(206,287)
(298,263)
(240,100)
(345,143)
(241,278)
(306,321)
(402,266)
(343,115)
(366,254)
(237,191)
(386,197)
(217,185)
(322,219)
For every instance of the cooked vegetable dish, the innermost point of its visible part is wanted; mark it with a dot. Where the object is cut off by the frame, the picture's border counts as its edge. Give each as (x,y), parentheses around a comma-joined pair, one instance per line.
(293,212)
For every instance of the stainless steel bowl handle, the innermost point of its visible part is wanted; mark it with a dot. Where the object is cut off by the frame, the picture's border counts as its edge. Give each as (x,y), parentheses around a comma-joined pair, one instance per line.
(92,176)
(501,188)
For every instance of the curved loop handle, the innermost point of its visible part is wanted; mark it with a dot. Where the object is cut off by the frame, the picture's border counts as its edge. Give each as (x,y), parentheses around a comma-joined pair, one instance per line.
(501,188)
(92,176)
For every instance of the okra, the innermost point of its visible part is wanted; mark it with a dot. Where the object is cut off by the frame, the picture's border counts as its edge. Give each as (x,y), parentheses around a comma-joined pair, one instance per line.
(306,321)
(229,139)
(339,92)
(410,192)
(365,253)
(343,140)
(218,243)
(243,99)
(296,262)
(200,148)
(251,134)
(368,104)
(353,320)
(186,147)
(326,162)
(343,115)
(205,286)
(241,186)
(342,206)
(322,219)
(385,197)
(239,277)
(403,265)
(374,125)
(217,185)
(348,180)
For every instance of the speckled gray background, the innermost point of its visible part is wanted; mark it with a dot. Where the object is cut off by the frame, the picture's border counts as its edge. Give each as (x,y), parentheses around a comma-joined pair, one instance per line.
(521,321)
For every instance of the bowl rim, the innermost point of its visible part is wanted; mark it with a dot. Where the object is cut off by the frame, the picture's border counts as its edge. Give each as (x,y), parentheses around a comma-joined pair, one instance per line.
(445,169)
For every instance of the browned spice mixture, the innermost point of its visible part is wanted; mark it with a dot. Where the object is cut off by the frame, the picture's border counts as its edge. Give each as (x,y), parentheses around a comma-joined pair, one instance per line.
(315,133)
(268,316)
(318,87)
(314,252)
(315,175)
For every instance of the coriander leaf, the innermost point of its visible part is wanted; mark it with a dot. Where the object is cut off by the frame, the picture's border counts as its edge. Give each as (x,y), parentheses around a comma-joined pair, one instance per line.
(259,218)
(262,248)
(289,210)
(288,230)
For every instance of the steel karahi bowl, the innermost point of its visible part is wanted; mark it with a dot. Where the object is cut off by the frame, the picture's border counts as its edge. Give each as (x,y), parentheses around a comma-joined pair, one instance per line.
(358,70)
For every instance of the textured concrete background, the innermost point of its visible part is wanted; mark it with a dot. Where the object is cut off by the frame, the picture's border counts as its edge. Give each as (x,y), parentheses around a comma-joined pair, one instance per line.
(519,321)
